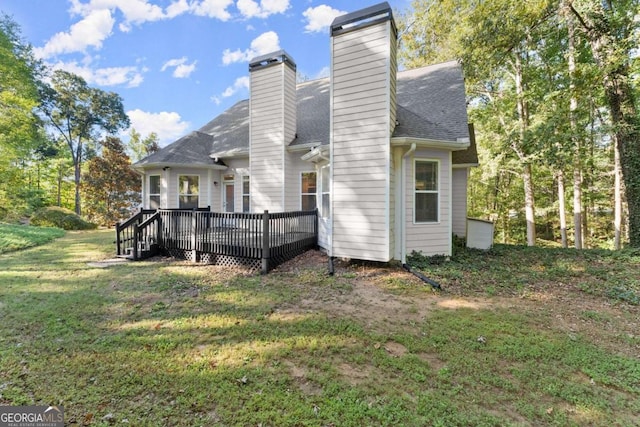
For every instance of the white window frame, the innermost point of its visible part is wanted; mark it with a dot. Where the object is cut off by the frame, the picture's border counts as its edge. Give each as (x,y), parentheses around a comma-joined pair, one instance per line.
(179,193)
(150,194)
(308,194)
(437,191)
(247,179)
(324,171)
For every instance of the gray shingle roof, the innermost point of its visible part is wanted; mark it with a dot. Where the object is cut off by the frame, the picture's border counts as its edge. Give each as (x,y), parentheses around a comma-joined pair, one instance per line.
(431,105)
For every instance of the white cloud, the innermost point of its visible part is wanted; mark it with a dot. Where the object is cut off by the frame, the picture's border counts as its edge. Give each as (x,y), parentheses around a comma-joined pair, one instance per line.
(112,76)
(92,30)
(251,8)
(134,11)
(181,68)
(320,17)
(240,84)
(212,9)
(169,126)
(261,45)
(177,8)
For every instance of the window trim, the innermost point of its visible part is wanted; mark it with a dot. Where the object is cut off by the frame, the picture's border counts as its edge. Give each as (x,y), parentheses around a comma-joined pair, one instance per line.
(315,194)
(325,170)
(178,193)
(149,193)
(246,178)
(438,191)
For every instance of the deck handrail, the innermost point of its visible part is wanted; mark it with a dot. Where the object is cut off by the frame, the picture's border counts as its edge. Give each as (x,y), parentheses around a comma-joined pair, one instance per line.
(266,238)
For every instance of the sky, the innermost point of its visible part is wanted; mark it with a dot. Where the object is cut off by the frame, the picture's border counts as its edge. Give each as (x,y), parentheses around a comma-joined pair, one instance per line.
(177,64)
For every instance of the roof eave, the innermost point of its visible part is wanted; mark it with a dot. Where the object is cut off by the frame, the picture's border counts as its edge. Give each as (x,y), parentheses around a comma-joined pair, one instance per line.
(317,154)
(161,165)
(430,143)
(304,147)
(230,154)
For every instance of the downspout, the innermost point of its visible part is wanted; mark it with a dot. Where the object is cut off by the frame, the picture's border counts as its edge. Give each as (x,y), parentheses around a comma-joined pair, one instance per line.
(403,204)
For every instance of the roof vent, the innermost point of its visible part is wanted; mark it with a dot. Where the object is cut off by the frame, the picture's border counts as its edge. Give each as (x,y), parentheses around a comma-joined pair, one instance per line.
(270,59)
(362,18)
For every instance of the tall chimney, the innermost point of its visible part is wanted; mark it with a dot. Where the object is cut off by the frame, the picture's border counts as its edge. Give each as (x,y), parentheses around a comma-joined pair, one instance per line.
(272,127)
(363,117)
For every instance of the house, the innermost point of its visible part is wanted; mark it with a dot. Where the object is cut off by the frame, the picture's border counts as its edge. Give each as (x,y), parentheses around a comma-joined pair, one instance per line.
(383,154)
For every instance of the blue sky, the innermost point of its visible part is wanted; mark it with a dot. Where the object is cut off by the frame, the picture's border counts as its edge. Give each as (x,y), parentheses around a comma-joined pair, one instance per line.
(177,63)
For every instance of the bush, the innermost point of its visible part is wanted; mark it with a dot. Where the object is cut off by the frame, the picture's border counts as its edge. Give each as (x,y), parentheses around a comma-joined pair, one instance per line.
(54,216)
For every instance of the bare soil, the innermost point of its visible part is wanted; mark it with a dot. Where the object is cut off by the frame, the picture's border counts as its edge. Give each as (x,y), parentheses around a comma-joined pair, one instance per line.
(384,298)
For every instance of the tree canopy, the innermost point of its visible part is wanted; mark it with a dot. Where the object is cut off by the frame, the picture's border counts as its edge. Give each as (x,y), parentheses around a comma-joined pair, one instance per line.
(79,114)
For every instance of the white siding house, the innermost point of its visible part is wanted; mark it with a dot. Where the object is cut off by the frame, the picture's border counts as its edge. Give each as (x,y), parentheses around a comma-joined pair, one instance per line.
(382,154)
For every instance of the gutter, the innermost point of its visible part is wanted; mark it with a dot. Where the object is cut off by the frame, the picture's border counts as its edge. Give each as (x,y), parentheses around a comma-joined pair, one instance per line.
(403,208)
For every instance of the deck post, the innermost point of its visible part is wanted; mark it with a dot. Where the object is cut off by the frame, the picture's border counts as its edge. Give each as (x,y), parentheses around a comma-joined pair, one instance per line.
(194,235)
(118,245)
(265,243)
(135,242)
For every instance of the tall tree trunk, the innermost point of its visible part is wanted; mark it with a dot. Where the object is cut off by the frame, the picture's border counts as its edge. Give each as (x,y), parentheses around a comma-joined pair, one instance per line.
(617,198)
(529,205)
(562,209)
(577,152)
(527,175)
(605,34)
(76,173)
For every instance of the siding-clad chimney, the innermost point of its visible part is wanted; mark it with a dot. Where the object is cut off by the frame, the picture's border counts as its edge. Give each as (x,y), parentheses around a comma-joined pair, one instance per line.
(363,116)
(272,127)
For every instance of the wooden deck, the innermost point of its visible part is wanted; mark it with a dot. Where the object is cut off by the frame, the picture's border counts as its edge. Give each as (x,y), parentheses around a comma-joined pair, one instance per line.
(255,240)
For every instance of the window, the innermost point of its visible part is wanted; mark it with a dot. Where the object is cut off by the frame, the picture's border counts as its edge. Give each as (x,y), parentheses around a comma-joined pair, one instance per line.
(154,192)
(308,193)
(245,194)
(188,190)
(326,192)
(426,200)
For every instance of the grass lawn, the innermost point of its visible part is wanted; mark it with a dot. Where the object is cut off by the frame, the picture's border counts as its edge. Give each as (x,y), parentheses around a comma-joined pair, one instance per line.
(518,336)
(16,237)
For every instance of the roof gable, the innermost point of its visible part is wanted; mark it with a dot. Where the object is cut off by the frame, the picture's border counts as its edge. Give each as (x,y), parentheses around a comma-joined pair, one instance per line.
(431,105)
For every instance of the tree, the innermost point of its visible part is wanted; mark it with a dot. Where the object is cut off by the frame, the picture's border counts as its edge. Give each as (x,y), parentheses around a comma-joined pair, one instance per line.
(79,113)
(111,188)
(20,128)
(611,29)
(142,147)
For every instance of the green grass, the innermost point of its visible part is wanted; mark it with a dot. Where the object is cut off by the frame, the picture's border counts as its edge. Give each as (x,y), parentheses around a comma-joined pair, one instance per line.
(170,343)
(16,237)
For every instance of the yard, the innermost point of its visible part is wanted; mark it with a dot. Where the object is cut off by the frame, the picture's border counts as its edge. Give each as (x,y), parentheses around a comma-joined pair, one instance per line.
(518,336)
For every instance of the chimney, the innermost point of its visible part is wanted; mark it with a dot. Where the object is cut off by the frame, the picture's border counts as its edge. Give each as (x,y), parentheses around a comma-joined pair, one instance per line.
(272,127)
(363,117)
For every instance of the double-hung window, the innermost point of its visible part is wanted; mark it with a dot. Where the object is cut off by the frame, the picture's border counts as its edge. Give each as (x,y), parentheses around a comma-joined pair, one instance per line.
(188,191)
(308,191)
(426,191)
(154,192)
(245,194)
(326,192)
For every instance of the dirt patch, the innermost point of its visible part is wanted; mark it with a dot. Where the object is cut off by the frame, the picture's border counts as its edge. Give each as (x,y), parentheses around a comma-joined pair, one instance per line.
(354,375)
(384,298)
(299,375)
(395,349)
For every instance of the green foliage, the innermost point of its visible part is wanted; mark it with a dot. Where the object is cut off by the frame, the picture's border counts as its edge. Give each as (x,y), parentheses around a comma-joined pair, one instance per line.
(65,219)
(531,112)
(110,186)
(17,237)
(142,147)
(79,113)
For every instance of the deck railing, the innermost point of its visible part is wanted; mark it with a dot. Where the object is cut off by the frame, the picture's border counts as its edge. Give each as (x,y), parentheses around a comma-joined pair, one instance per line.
(260,240)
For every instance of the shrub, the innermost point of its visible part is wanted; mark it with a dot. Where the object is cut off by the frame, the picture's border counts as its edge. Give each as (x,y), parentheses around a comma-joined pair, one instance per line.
(54,216)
